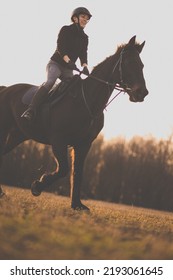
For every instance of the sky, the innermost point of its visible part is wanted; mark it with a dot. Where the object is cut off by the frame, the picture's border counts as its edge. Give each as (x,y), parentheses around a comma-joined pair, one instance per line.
(29,30)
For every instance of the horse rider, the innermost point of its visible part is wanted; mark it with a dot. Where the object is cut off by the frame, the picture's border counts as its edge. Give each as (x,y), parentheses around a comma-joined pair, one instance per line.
(72,43)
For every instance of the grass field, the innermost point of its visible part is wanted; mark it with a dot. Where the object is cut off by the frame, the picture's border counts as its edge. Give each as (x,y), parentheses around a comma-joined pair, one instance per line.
(46,227)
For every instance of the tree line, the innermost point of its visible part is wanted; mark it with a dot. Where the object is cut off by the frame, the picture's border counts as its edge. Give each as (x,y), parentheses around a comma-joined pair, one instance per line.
(136,172)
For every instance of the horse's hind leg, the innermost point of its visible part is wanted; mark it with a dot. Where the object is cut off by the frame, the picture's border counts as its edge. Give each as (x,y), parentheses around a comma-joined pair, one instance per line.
(60,152)
(3,137)
(15,137)
(1,192)
(7,143)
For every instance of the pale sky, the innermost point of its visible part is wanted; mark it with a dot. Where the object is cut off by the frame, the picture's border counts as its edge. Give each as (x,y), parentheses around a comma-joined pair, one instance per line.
(29,29)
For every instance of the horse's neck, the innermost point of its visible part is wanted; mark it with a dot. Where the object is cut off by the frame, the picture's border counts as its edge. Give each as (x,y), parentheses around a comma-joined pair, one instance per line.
(98,92)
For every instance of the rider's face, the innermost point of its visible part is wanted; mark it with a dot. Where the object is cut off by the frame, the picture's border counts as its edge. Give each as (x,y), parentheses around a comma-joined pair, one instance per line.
(83,20)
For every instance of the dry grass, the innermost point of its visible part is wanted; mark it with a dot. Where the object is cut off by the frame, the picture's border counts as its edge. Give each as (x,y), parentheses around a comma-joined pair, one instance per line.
(47,228)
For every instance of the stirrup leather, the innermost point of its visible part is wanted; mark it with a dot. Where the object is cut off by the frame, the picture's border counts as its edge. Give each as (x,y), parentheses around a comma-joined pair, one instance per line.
(28,114)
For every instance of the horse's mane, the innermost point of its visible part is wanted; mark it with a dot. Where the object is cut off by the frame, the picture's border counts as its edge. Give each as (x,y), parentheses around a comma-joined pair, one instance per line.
(107,60)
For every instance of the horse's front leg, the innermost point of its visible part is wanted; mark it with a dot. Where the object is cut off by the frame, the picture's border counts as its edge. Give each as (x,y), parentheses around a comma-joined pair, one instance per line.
(80,153)
(61,156)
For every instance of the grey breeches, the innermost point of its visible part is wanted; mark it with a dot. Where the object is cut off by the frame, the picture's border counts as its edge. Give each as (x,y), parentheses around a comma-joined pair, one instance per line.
(54,71)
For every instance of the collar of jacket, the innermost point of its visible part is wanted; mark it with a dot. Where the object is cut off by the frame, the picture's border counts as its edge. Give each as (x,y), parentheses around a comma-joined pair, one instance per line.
(79,28)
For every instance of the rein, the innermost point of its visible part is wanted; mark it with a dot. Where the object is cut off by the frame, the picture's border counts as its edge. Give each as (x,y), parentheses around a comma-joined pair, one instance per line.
(115,85)
(122,87)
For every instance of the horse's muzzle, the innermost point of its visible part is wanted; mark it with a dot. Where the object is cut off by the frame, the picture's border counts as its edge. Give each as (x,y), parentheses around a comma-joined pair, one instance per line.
(138,95)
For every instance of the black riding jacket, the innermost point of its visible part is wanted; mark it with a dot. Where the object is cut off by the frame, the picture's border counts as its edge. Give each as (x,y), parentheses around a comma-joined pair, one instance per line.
(72,41)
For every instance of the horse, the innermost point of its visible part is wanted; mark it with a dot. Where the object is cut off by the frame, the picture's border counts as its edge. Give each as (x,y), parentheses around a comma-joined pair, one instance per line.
(76,119)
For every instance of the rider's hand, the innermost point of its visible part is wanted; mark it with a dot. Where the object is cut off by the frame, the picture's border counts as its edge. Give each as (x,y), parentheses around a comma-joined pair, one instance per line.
(85,71)
(71,65)
(66,58)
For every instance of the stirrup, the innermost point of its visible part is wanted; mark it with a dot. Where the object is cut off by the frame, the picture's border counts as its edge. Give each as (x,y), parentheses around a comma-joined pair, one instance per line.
(28,115)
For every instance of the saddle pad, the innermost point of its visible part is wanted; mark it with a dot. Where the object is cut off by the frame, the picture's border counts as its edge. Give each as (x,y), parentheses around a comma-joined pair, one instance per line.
(27,97)
(56,93)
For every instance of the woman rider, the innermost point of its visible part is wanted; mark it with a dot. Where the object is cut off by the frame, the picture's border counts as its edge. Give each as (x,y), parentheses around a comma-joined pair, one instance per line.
(72,43)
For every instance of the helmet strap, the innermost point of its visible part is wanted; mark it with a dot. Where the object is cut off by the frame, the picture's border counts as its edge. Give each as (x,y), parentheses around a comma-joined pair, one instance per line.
(78,23)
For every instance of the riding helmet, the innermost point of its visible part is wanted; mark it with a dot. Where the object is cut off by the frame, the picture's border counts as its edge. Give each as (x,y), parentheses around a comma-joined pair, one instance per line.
(79,11)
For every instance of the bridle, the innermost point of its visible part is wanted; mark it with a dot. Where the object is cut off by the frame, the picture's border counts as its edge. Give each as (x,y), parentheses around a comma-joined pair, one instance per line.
(122,87)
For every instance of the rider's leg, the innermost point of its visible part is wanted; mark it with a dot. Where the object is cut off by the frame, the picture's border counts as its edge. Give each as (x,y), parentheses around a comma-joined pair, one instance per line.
(53,73)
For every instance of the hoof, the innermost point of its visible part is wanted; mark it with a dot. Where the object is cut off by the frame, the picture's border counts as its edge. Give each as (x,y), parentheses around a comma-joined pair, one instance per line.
(36,188)
(2,194)
(80,207)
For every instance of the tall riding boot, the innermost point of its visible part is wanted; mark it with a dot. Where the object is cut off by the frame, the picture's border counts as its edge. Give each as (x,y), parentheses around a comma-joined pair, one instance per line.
(37,100)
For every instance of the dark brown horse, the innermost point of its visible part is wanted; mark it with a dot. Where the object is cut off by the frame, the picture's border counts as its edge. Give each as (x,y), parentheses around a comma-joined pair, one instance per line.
(74,121)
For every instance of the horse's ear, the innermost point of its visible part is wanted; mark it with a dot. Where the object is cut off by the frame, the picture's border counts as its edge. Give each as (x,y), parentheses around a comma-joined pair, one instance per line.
(140,47)
(132,41)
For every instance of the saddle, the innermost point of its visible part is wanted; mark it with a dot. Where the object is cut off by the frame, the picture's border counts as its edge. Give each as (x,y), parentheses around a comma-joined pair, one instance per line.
(56,93)
(62,89)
